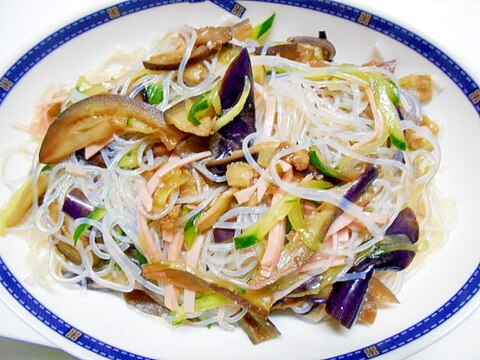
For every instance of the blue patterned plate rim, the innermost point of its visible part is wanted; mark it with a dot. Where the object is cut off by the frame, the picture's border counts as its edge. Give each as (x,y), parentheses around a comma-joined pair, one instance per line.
(433,54)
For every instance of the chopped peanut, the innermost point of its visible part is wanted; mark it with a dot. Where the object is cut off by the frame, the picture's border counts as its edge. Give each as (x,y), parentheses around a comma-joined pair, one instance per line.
(421,85)
(195,73)
(432,125)
(169,222)
(299,159)
(240,174)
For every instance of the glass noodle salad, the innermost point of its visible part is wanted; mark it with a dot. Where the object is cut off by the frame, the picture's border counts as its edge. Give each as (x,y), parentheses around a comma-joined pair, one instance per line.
(227,176)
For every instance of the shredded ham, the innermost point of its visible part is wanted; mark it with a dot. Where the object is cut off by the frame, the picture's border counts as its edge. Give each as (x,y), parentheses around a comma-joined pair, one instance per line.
(94,148)
(173,163)
(174,254)
(47,112)
(175,249)
(276,238)
(319,264)
(244,195)
(269,118)
(379,124)
(145,197)
(171,297)
(346,219)
(340,222)
(167,235)
(146,240)
(192,257)
(262,187)
(285,166)
(75,170)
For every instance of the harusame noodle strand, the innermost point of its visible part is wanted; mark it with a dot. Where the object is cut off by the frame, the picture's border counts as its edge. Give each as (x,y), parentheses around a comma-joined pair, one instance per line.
(328,126)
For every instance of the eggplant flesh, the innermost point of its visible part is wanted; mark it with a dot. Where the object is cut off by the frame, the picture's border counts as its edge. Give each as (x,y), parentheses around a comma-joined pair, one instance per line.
(98,118)
(306,49)
(180,275)
(230,137)
(77,205)
(394,253)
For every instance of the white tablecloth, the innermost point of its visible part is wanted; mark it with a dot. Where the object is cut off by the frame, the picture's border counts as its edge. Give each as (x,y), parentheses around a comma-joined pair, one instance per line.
(451,23)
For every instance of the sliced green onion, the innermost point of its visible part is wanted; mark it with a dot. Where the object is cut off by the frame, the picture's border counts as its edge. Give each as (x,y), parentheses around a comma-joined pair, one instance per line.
(86,87)
(129,160)
(381,89)
(295,217)
(260,30)
(191,230)
(140,257)
(231,113)
(97,214)
(210,301)
(257,231)
(154,94)
(316,184)
(47,167)
(198,107)
(316,160)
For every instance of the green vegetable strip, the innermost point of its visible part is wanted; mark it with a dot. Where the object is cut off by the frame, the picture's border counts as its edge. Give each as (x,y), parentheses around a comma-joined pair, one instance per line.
(20,203)
(317,161)
(155,94)
(295,217)
(97,214)
(140,257)
(191,230)
(129,160)
(316,184)
(230,114)
(198,107)
(389,113)
(86,87)
(47,167)
(259,30)
(210,301)
(257,231)
(385,93)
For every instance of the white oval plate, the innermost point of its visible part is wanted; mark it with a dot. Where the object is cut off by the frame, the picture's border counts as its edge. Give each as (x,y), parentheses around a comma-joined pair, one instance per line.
(93,324)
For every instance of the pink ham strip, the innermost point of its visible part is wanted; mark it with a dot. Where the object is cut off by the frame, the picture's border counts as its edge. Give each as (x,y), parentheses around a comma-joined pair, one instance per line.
(171,297)
(92,149)
(340,222)
(274,248)
(174,254)
(244,195)
(321,264)
(192,257)
(173,163)
(167,235)
(145,197)
(75,170)
(262,187)
(379,124)
(269,118)
(148,245)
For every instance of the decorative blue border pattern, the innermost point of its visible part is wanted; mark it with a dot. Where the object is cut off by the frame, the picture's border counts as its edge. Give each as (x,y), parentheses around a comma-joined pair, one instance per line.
(413,41)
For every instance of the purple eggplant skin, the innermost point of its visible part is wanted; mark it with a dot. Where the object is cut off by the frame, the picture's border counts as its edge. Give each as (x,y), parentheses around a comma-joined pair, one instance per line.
(221,236)
(95,160)
(346,298)
(405,223)
(230,91)
(77,205)
(361,184)
(310,284)
(221,148)
(230,137)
